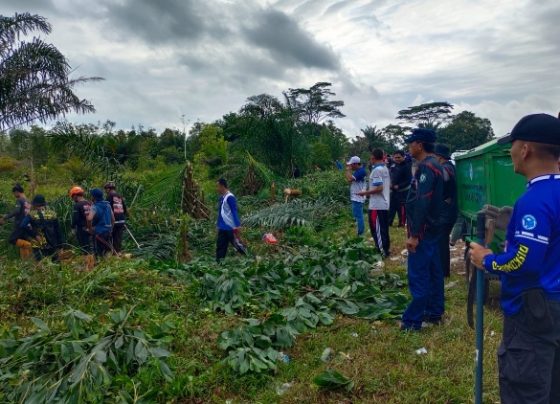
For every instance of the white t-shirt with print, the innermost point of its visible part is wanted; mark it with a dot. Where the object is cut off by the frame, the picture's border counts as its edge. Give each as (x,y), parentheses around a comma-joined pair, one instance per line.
(380,176)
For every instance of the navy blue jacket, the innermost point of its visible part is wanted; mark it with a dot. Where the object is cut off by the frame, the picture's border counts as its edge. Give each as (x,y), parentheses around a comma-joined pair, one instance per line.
(424,203)
(450,207)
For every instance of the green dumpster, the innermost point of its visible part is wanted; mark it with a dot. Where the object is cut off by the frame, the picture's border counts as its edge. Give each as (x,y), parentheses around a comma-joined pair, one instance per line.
(485,176)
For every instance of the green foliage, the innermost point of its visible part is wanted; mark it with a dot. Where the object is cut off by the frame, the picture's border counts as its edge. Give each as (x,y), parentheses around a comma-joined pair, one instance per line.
(213,146)
(85,361)
(34,83)
(465,132)
(297,212)
(428,115)
(299,292)
(332,380)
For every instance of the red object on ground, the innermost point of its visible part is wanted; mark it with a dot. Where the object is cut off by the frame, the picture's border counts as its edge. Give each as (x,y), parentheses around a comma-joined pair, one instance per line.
(269,238)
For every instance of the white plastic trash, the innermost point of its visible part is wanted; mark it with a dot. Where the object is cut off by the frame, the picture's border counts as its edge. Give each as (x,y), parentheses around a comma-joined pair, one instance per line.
(421,351)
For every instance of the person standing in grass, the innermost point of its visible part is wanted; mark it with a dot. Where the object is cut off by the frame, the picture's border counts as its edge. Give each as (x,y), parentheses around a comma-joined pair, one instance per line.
(81,225)
(119,211)
(401,175)
(20,212)
(102,219)
(450,206)
(356,176)
(529,268)
(229,225)
(424,207)
(379,197)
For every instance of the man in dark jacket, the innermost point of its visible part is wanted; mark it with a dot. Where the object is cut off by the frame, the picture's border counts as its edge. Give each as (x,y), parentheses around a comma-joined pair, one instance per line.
(424,206)
(450,207)
(20,212)
(401,175)
(43,229)
(119,211)
(81,225)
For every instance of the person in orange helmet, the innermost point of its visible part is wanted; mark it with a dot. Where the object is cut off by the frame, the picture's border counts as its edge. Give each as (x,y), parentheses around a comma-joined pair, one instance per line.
(81,224)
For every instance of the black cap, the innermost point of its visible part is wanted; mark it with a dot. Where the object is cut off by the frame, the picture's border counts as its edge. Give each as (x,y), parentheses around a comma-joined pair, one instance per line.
(422,135)
(538,128)
(443,151)
(17,188)
(39,200)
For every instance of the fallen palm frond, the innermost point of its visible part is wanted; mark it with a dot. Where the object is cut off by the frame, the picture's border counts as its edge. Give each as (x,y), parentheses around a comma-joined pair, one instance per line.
(294,213)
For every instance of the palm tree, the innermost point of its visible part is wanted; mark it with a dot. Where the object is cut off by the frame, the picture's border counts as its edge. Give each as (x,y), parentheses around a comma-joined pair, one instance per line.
(34,83)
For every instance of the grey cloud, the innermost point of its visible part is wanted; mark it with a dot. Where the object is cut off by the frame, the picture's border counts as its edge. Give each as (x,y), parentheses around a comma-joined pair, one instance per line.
(32,6)
(289,43)
(167,21)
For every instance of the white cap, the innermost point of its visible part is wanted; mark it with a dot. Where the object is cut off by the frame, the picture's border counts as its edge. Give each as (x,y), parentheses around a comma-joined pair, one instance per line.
(354,160)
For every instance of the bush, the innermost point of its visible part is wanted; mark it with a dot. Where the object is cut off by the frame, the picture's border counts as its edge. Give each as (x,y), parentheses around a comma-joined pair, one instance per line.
(7,164)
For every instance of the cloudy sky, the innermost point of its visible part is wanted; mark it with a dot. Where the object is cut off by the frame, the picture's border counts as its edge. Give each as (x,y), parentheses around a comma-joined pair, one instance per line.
(202,58)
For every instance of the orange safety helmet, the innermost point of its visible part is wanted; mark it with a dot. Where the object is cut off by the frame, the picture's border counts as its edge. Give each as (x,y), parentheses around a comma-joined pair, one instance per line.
(76,191)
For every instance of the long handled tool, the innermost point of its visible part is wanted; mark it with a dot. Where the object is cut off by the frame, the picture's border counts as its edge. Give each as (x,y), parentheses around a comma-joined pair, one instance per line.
(132,237)
(485,228)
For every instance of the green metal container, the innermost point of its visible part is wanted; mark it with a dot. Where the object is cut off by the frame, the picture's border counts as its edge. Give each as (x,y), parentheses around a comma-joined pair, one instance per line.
(485,176)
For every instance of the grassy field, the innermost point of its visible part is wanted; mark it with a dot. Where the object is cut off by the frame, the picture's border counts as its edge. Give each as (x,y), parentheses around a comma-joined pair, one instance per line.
(380,360)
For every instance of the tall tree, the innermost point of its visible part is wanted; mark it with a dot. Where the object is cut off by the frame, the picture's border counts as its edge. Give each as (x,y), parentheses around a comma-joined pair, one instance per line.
(314,104)
(394,135)
(34,82)
(466,131)
(430,115)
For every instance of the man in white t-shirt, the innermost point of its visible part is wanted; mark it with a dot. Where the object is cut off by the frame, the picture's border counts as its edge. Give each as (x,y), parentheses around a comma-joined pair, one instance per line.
(379,196)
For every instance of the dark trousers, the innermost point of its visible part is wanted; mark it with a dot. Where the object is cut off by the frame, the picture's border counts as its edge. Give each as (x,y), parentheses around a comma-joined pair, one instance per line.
(225,238)
(102,244)
(444,249)
(425,281)
(84,240)
(118,232)
(398,208)
(529,362)
(379,226)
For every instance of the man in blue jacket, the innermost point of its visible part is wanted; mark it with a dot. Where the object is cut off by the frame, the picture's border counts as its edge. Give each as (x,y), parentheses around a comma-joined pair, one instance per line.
(423,209)
(228,222)
(529,268)
(102,220)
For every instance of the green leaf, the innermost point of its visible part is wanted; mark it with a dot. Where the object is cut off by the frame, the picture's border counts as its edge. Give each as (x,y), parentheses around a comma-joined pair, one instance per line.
(40,324)
(347,307)
(159,352)
(140,352)
(333,380)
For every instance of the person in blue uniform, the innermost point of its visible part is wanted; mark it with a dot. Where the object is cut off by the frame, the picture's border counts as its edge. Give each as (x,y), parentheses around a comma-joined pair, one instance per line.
(450,207)
(228,224)
(423,208)
(529,268)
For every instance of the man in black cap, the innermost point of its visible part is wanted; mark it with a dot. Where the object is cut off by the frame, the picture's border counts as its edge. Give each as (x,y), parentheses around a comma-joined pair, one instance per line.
(423,208)
(529,269)
(450,207)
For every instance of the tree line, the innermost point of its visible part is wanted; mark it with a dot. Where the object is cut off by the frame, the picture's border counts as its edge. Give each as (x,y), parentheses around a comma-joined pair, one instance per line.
(295,133)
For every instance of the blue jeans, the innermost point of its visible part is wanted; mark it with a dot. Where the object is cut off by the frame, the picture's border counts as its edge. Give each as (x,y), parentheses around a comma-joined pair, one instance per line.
(425,281)
(358,213)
